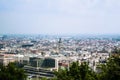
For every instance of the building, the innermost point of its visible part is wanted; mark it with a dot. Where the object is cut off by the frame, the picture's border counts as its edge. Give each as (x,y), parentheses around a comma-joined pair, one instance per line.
(1,46)
(5,59)
(46,63)
(41,67)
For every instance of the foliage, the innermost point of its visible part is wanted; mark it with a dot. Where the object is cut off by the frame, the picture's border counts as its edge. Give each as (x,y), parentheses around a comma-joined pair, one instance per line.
(76,72)
(108,71)
(111,70)
(43,78)
(11,72)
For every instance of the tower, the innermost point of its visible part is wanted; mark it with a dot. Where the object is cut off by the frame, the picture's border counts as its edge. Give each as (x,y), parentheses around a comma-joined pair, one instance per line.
(59,45)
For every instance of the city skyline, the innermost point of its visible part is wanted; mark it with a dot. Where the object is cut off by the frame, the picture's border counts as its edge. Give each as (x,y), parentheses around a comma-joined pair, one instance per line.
(59,17)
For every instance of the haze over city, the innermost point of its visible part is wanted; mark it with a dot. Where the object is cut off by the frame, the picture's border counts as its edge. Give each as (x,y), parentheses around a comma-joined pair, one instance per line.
(59,40)
(59,16)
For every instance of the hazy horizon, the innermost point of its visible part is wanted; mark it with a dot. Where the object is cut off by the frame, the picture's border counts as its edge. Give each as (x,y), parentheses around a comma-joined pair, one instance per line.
(59,17)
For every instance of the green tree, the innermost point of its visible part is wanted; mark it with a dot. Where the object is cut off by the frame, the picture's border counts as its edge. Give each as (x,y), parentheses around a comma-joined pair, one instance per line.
(63,75)
(111,70)
(76,72)
(11,72)
(108,71)
(44,78)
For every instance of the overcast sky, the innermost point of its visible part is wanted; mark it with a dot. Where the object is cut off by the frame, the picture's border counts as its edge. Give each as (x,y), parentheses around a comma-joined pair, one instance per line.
(60,16)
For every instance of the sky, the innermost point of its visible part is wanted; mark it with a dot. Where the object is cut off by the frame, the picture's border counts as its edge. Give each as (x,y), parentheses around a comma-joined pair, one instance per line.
(59,16)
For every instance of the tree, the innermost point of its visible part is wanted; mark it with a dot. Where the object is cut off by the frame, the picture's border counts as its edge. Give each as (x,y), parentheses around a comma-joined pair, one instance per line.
(108,71)
(11,72)
(43,78)
(76,72)
(63,75)
(111,70)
